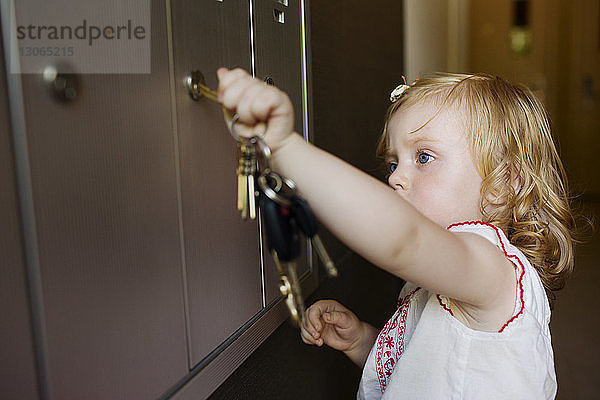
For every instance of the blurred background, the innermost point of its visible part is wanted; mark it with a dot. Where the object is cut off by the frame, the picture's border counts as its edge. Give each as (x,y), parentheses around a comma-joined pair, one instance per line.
(360,50)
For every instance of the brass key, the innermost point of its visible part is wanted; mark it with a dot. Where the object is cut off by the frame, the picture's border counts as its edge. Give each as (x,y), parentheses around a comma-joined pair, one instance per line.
(242,180)
(249,171)
(197,89)
(246,169)
(290,289)
(251,190)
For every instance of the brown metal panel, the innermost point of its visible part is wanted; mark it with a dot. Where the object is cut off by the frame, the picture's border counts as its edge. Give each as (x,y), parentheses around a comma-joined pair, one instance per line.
(105,198)
(278,50)
(17,369)
(225,363)
(221,251)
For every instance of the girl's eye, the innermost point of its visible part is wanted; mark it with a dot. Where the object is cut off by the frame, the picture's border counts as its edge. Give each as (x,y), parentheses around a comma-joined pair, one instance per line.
(424,158)
(393,167)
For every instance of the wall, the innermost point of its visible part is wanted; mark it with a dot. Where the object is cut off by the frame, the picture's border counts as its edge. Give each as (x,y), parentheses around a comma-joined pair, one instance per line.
(435,36)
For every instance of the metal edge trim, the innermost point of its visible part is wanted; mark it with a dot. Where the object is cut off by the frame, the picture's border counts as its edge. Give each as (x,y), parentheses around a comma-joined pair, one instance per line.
(25,194)
(175,130)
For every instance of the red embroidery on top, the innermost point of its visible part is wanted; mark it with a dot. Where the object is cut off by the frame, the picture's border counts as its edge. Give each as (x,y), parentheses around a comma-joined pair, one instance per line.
(389,341)
(388,350)
(444,306)
(510,256)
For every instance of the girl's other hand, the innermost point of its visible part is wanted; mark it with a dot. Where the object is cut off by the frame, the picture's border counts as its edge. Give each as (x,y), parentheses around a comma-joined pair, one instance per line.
(327,321)
(256,103)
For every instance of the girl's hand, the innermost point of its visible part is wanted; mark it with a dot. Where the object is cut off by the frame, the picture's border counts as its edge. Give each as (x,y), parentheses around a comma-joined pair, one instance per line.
(327,321)
(256,103)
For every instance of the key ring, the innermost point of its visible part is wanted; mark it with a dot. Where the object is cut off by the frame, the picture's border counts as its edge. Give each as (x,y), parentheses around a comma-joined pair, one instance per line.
(234,120)
(264,150)
(273,193)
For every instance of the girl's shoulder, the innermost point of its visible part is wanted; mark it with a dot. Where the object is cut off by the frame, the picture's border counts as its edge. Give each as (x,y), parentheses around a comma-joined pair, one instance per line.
(530,293)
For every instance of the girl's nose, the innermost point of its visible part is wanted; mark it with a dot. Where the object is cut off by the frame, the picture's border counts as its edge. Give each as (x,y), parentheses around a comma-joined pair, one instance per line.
(398,180)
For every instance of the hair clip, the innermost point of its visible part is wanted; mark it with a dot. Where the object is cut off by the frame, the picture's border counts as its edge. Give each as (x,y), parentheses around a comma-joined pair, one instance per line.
(399,90)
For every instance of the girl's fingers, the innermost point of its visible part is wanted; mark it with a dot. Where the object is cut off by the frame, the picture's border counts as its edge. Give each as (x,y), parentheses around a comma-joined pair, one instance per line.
(340,319)
(248,103)
(313,321)
(251,99)
(307,337)
(267,101)
(256,102)
(228,77)
(232,95)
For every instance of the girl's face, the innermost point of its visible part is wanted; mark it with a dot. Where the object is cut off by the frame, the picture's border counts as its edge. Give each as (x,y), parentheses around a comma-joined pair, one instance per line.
(432,168)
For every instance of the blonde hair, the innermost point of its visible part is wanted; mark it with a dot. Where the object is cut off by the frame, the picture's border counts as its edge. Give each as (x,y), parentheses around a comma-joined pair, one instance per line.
(524,189)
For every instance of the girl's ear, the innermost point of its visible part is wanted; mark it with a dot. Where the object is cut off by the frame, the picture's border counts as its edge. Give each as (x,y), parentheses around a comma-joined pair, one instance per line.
(516,181)
(513,180)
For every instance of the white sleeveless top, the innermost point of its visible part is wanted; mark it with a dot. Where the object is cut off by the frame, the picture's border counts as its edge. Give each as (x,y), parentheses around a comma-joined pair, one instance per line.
(423,352)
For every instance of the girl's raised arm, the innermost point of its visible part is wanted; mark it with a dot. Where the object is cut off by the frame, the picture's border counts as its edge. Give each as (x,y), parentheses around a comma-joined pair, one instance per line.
(379,225)
(365,213)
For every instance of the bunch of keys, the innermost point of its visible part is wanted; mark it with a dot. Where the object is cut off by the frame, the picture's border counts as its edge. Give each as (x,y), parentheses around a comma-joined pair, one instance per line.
(246,168)
(285,214)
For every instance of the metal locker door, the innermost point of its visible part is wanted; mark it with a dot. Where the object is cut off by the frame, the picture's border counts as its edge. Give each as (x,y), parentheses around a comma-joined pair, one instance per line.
(221,250)
(279,44)
(18,378)
(104,194)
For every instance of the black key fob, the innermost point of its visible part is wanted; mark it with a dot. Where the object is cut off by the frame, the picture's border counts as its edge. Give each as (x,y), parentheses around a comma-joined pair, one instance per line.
(282,232)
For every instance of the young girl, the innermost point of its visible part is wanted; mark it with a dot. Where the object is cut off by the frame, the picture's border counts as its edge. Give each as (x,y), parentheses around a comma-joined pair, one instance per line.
(475,217)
